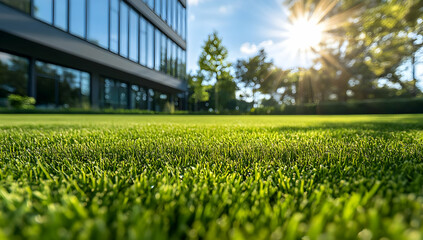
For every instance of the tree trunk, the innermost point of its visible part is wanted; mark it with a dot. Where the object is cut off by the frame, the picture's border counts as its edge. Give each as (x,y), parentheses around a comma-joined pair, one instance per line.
(413,72)
(216,95)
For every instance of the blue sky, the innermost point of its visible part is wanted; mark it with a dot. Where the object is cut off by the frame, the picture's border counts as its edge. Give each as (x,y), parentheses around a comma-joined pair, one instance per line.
(245,26)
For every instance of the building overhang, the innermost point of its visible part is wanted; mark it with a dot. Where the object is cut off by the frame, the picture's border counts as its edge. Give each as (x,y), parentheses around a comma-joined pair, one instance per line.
(26,36)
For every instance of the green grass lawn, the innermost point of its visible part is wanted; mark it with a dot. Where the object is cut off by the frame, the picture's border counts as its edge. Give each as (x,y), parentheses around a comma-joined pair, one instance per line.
(211,177)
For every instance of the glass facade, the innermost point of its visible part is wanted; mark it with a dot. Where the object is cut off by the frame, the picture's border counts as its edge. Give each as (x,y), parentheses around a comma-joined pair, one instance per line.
(23,5)
(117,27)
(112,25)
(77,21)
(98,14)
(172,12)
(62,87)
(13,76)
(115,94)
(61,14)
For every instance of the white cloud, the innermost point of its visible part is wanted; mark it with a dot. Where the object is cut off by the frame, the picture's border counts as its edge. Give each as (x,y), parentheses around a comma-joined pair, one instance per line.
(251,48)
(225,9)
(194,2)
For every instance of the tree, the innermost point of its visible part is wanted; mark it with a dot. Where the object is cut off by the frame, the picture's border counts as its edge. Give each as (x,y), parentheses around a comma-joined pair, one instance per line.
(368,49)
(254,71)
(213,63)
(198,91)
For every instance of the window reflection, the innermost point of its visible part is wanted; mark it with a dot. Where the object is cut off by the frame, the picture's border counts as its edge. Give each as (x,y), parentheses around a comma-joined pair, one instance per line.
(77,17)
(61,87)
(138,97)
(150,45)
(23,5)
(133,36)
(157,55)
(98,18)
(43,10)
(143,41)
(61,14)
(163,53)
(13,76)
(158,7)
(169,57)
(124,11)
(113,94)
(114,25)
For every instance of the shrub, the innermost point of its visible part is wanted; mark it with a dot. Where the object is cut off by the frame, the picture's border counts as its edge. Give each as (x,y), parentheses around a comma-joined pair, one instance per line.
(169,108)
(21,102)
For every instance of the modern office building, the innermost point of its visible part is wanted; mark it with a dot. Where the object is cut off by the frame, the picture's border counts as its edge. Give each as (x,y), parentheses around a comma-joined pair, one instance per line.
(94,53)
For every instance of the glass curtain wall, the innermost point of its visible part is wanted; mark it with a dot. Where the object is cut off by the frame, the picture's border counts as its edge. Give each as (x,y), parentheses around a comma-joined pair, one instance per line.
(115,26)
(63,87)
(77,14)
(172,12)
(113,94)
(13,76)
(124,29)
(60,12)
(98,15)
(22,5)
(139,98)
(133,36)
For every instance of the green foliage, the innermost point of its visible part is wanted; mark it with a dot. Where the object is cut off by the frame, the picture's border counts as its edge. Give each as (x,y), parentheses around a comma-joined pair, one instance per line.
(374,106)
(198,91)
(213,63)
(169,108)
(218,177)
(254,71)
(21,102)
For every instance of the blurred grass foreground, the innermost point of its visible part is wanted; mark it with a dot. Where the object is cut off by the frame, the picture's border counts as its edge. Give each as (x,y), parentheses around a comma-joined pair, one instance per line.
(211,177)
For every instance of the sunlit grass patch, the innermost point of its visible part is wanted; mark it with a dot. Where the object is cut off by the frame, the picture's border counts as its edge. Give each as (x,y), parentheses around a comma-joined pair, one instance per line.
(255,177)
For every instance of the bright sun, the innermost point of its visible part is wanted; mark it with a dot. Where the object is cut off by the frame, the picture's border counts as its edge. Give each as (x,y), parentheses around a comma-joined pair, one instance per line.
(305,35)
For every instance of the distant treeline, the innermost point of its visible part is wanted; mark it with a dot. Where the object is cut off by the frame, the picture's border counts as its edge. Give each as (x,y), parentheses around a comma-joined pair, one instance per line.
(374,106)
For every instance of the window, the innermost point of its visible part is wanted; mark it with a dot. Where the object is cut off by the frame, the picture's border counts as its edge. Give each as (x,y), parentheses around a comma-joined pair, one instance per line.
(133,36)
(158,7)
(175,61)
(123,95)
(13,76)
(184,23)
(150,102)
(157,55)
(174,13)
(77,17)
(23,5)
(85,90)
(113,94)
(150,3)
(43,10)
(163,53)
(61,87)
(114,26)
(184,64)
(124,14)
(98,22)
(61,14)
(138,98)
(150,45)
(169,57)
(179,20)
(169,11)
(143,41)
(164,10)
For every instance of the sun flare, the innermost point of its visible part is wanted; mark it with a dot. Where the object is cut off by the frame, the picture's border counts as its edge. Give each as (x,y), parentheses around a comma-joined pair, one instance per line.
(305,34)
(310,27)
